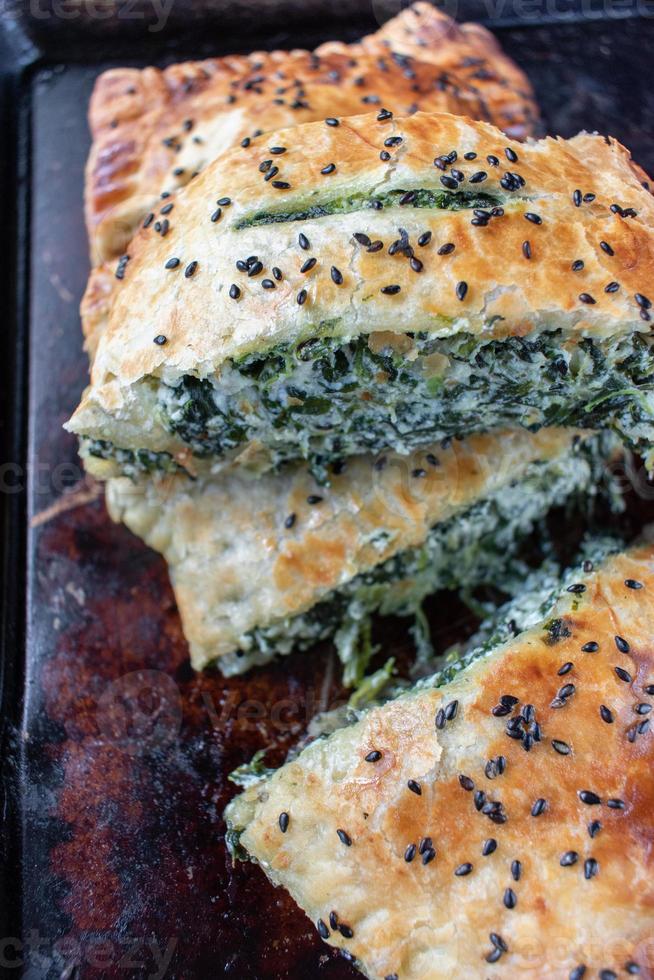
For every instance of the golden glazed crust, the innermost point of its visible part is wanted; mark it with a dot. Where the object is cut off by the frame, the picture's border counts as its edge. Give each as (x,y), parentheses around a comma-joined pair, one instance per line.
(550,896)
(235,565)
(506,292)
(153,130)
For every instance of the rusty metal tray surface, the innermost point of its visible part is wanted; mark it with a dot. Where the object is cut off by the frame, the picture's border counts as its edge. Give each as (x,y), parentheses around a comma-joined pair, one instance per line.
(116,754)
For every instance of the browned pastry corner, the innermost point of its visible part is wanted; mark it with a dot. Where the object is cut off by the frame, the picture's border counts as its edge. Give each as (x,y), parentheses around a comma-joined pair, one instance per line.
(498,827)
(154,130)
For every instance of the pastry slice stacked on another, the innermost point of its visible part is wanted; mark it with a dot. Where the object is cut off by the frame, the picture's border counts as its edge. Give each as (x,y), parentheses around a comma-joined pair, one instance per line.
(497,826)
(437,279)
(264,566)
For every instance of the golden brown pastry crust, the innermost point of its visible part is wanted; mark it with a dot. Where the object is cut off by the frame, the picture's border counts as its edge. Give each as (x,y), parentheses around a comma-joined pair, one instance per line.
(235,565)
(153,130)
(418,921)
(506,292)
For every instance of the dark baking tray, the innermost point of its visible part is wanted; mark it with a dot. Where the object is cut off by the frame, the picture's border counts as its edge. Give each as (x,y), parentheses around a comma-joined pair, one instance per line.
(115,753)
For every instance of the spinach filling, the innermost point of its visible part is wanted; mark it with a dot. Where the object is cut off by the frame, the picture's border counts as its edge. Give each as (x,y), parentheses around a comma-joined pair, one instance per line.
(421,198)
(324,398)
(480,545)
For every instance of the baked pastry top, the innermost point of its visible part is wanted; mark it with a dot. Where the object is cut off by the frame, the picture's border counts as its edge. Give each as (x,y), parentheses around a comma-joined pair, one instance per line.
(247,553)
(500,826)
(153,130)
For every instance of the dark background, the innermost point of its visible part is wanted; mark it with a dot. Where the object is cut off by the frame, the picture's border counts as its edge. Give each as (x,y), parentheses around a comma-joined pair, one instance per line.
(115,779)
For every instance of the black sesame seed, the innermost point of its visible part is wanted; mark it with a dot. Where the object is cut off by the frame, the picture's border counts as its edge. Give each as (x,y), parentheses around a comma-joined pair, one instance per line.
(587,796)
(345,930)
(511,154)
(471,155)
(167,208)
(621,644)
(606,248)
(577,265)
(415,787)
(361,238)
(608,975)
(587,298)
(479,798)
(526,250)
(148,220)
(463,870)
(424,239)
(255,268)
(373,756)
(268,284)
(216,215)
(606,714)
(160,340)
(447,248)
(576,588)
(234,291)
(590,647)
(516,870)
(492,161)
(344,838)
(478,177)
(283,821)
(322,929)
(643,708)
(561,747)
(416,264)
(467,783)
(384,114)
(276,150)
(623,674)
(576,198)
(461,290)
(451,708)
(384,156)
(568,859)
(333,919)
(643,301)
(591,867)
(314,498)
(410,853)
(565,668)
(308,265)
(489,846)
(301,297)
(428,855)
(588,198)
(390,290)
(281,185)
(277,273)
(510,899)
(190,269)
(494,955)
(449,182)
(534,218)
(440,719)
(418,473)
(578,972)
(393,141)
(336,276)
(538,807)
(172,263)
(331,121)
(632,968)
(303,241)
(408,198)
(224,202)
(594,828)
